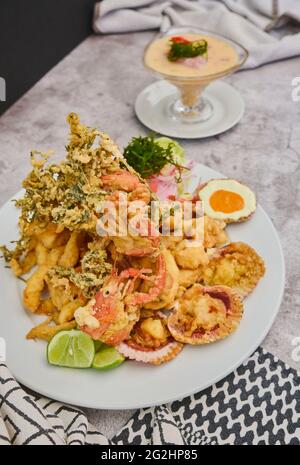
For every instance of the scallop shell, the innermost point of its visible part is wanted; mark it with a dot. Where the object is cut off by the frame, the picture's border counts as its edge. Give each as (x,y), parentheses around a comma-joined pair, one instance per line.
(153,356)
(234,308)
(251,264)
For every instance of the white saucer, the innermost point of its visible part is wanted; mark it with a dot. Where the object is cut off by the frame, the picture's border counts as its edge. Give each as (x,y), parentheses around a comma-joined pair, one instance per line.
(151,104)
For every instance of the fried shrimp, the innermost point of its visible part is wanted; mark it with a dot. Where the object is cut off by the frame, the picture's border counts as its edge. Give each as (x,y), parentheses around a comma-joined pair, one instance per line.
(110,316)
(168,293)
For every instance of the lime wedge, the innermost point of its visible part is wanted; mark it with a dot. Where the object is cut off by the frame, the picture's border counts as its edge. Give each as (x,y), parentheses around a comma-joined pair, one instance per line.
(177,150)
(107,358)
(98,345)
(72,348)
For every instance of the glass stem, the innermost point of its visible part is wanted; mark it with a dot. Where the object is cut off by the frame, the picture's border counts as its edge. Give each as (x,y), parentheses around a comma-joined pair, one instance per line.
(190,106)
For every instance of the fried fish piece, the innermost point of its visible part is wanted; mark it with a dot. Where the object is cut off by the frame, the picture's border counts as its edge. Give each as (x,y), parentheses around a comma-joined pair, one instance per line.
(67,311)
(236,265)
(190,254)
(71,252)
(215,234)
(34,288)
(45,331)
(46,307)
(22,267)
(189,277)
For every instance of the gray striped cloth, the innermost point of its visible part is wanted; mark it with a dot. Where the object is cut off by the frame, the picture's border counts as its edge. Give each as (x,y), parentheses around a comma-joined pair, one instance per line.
(259,403)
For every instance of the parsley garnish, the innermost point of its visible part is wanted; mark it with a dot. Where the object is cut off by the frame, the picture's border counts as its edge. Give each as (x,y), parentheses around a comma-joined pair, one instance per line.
(182,48)
(147,157)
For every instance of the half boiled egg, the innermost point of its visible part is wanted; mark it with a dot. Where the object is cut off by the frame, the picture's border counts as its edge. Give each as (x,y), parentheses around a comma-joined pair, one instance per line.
(227,200)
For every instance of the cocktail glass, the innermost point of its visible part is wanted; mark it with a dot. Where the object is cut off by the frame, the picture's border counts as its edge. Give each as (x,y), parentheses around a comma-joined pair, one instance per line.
(190,106)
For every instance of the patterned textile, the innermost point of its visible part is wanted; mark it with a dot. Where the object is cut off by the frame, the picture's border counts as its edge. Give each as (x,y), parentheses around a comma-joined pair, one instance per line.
(259,403)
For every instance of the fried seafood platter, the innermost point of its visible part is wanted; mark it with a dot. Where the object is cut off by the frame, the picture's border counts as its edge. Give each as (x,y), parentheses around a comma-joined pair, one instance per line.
(134,294)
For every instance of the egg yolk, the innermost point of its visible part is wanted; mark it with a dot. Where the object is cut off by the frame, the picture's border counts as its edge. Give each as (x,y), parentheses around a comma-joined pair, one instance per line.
(226,201)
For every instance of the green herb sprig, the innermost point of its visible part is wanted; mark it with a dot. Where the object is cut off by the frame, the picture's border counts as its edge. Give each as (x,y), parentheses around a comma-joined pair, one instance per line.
(147,157)
(185,49)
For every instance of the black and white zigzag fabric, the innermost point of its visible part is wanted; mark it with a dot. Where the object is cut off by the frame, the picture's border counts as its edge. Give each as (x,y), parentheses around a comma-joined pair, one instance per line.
(259,403)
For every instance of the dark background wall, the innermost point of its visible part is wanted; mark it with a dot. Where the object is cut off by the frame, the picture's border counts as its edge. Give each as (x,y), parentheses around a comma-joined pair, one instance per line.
(34,36)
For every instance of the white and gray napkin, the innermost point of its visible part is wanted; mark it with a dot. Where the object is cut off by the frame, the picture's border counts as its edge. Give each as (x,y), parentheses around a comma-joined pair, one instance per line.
(268,29)
(259,403)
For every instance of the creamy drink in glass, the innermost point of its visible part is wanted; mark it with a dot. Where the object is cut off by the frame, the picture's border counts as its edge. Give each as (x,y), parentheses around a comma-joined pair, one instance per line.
(192,72)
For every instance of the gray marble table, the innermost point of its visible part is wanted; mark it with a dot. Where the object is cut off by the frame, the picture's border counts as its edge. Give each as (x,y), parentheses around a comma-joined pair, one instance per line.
(100,80)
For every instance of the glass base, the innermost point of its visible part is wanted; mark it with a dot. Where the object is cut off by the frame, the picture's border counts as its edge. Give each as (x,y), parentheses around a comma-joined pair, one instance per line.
(198,113)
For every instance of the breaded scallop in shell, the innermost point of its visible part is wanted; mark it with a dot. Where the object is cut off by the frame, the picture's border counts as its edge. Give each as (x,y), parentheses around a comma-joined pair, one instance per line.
(150,341)
(154,356)
(205,314)
(236,265)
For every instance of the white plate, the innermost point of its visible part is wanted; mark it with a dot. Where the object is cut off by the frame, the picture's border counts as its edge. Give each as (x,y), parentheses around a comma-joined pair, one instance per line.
(151,104)
(134,385)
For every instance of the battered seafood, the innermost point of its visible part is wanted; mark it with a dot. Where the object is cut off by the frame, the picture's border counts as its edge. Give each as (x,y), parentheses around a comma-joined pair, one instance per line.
(138,292)
(151,342)
(205,314)
(189,277)
(166,297)
(155,356)
(190,254)
(214,232)
(111,315)
(236,265)
(147,242)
